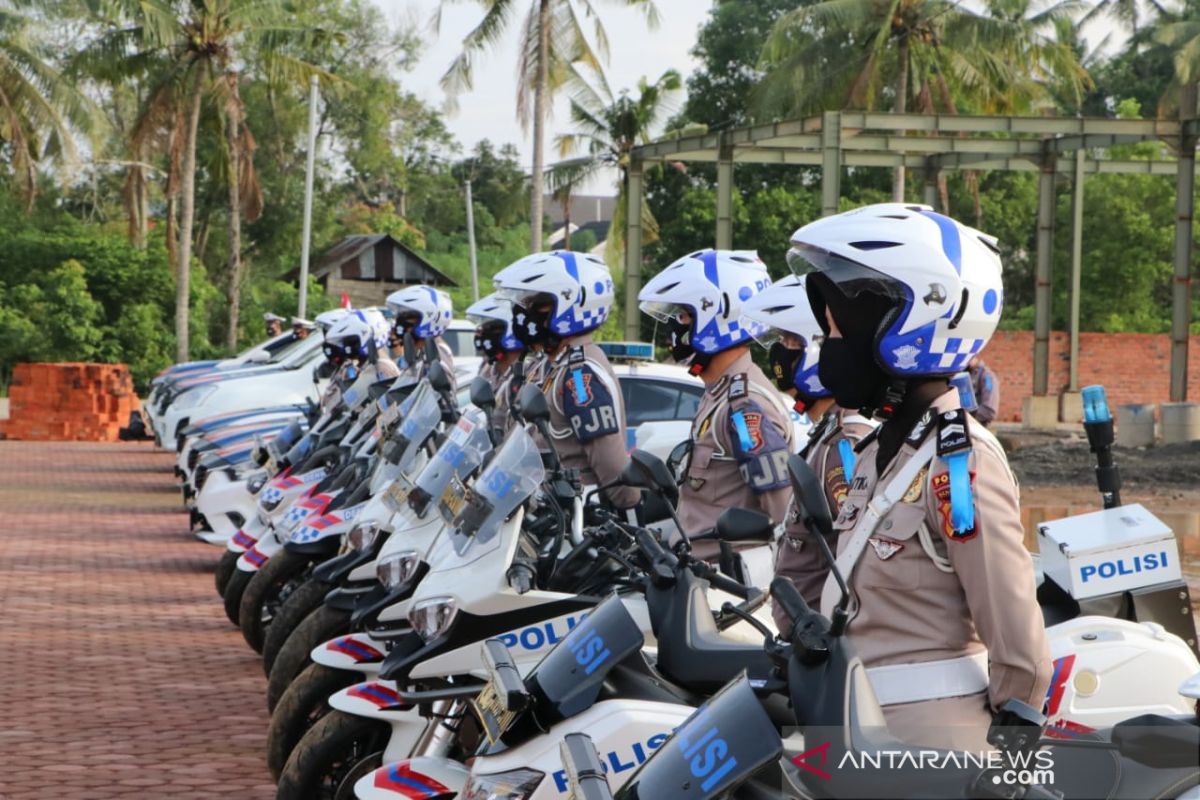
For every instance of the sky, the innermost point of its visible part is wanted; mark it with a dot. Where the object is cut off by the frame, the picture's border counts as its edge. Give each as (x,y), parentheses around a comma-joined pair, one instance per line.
(488,111)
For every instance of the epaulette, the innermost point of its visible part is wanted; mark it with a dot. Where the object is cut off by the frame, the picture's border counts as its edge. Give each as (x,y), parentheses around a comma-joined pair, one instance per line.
(919,431)
(576,355)
(739,387)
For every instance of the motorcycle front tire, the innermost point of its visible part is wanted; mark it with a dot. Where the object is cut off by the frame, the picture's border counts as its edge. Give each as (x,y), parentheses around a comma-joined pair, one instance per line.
(264,590)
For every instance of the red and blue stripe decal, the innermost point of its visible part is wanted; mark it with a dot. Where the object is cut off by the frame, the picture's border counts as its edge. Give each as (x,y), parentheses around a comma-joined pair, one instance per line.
(375,693)
(400,778)
(254,557)
(360,651)
(243,539)
(1058,683)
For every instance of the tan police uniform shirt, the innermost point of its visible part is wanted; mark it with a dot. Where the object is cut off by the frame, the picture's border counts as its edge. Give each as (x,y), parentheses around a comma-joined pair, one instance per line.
(741,439)
(906,609)
(797,556)
(587,417)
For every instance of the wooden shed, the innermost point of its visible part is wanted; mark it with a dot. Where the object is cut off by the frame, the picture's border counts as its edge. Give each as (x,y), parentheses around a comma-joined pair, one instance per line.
(369,267)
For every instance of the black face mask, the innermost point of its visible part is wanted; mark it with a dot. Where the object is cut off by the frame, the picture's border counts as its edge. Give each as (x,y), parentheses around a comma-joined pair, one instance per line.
(680,341)
(531,327)
(783,360)
(847,368)
(489,343)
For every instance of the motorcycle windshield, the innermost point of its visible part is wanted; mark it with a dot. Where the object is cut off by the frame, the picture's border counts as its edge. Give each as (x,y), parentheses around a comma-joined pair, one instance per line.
(356,392)
(721,744)
(459,456)
(510,479)
(567,681)
(418,422)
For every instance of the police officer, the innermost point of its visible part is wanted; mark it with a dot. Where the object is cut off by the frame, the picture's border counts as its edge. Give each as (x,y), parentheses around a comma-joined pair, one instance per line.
(943,611)
(558,299)
(501,352)
(274,324)
(793,345)
(425,313)
(742,433)
(987,391)
(301,328)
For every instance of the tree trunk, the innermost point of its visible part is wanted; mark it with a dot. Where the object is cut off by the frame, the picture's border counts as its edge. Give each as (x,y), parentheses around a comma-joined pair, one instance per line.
(187,212)
(143,210)
(540,90)
(901,107)
(566,203)
(232,131)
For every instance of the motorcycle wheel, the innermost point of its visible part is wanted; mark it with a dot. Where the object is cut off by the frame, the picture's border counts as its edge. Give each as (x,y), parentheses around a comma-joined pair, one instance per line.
(303,600)
(304,703)
(331,756)
(233,593)
(225,567)
(317,628)
(265,593)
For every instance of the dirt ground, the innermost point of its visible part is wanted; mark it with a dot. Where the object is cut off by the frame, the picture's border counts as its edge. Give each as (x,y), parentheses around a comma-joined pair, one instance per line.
(1048,460)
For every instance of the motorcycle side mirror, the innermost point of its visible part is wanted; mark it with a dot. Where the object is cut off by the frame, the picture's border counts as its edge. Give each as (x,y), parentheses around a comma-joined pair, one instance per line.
(806,487)
(438,378)
(531,404)
(324,371)
(807,490)
(677,457)
(482,394)
(585,773)
(653,472)
(431,351)
(260,356)
(410,350)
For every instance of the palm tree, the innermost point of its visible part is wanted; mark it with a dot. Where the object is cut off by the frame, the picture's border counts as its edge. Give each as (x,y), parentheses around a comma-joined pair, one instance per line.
(1134,14)
(193,43)
(552,39)
(607,129)
(854,53)
(1181,33)
(40,109)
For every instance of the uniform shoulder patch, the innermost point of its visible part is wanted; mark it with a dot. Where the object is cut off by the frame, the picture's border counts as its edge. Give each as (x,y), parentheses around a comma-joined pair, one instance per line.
(940,484)
(588,404)
(759,448)
(576,355)
(952,434)
(739,386)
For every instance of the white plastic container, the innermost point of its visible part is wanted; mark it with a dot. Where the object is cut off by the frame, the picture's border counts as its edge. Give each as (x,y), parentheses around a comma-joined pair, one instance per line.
(1108,551)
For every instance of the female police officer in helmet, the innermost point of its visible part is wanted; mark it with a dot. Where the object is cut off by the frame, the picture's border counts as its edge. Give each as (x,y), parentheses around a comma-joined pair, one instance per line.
(943,611)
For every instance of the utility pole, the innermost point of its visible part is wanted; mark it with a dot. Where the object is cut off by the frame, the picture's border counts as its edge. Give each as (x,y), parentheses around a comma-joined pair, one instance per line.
(308,197)
(471,241)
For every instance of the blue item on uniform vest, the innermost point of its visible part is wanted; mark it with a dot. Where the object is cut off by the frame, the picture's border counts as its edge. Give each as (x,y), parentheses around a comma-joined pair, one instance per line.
(846,451)
(962,504)
(580,389)
(1095,404)
(966,391)
(743,432)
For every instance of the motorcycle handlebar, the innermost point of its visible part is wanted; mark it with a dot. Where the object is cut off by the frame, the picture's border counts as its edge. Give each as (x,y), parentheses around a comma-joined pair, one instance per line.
(720,581)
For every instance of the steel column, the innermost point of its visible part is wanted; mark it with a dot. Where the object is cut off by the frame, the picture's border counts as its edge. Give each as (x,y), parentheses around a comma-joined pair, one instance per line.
(929,189)
(831,161)
(1076,264)
(725,197)
(633,249)
(1045,261)
(1181,289)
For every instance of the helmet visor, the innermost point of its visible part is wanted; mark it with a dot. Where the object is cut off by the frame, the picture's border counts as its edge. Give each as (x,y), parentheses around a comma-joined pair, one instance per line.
(663,312)
(851,277)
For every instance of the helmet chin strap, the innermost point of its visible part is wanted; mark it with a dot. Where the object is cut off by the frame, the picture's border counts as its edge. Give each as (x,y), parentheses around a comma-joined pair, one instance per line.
(890,399)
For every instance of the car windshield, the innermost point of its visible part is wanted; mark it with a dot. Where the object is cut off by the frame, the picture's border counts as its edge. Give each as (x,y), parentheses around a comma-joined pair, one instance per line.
(460,455)
(461,342)
(510,479)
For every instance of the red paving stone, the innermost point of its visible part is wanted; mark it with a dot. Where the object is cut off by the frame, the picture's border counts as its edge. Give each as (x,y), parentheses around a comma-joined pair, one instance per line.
(121,676)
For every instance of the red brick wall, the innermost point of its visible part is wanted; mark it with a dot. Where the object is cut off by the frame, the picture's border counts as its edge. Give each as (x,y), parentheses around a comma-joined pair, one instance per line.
(1132,367)
(69,401)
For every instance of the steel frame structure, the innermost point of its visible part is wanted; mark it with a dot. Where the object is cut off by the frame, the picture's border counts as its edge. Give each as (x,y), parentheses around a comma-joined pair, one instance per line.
(930,143)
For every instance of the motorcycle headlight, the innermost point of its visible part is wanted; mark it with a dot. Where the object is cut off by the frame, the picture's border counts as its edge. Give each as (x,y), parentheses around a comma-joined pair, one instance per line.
(431,618)
(363,536)
(256,482)
(516,784)
(398,569)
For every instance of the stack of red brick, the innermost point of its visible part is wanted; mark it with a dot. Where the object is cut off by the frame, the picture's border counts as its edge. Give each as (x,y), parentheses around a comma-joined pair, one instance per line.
(69,402)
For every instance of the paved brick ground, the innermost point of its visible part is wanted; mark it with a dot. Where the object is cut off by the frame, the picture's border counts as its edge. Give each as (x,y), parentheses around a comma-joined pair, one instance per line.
(119,674)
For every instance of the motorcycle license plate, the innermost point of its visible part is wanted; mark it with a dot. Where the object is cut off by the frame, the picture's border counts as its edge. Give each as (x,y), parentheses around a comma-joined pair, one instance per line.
(454,498)
(493,717)
(396,495)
